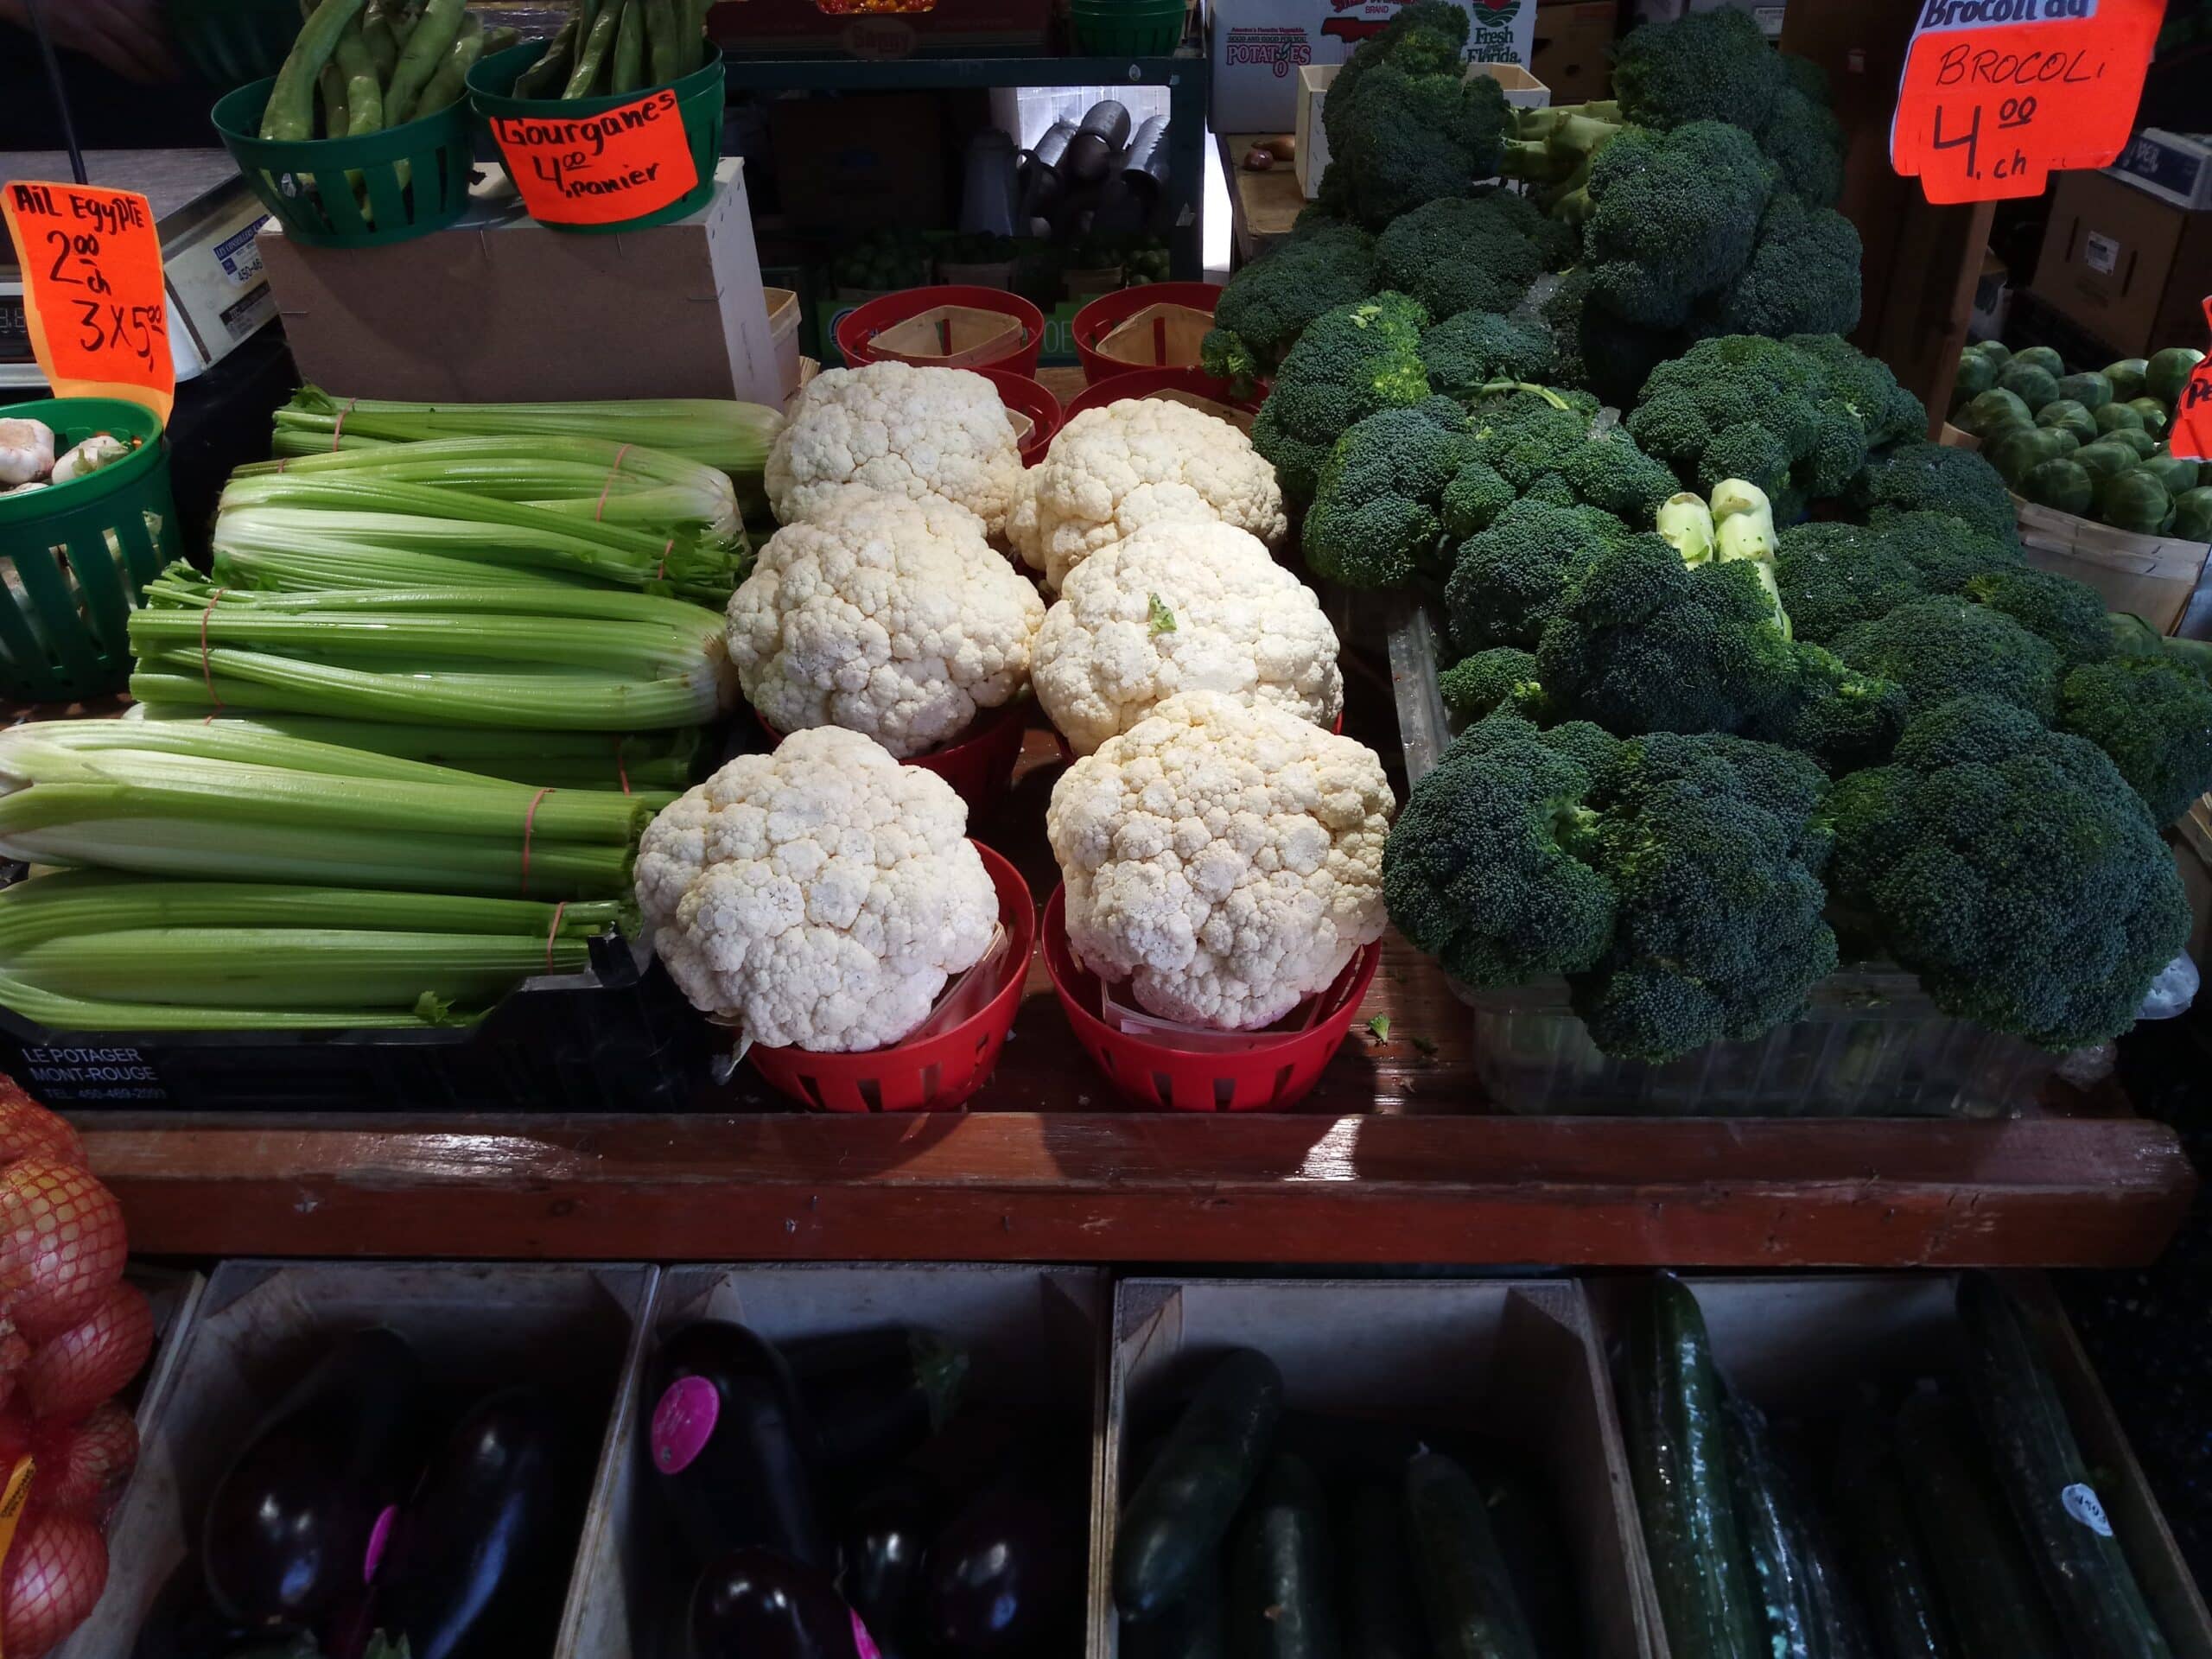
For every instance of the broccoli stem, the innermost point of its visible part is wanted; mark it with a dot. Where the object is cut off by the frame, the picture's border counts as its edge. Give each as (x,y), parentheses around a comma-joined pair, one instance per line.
(1489,387)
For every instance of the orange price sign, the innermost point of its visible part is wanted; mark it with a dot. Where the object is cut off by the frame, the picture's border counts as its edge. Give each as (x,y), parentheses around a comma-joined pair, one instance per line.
(624,162)
(2191,437)
(93,296)
(1999,95)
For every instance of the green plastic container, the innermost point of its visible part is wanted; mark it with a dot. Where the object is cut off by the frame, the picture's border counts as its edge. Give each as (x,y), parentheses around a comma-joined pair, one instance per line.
(1144,29)
(699,99)
(76,558)
(415,175)
(229,42)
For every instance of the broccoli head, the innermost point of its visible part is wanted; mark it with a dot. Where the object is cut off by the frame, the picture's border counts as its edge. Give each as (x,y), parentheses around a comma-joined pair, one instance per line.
(2013,869)
(1265,306)
(1471,349)
(1351,361)
(1507,581)
(1593,349)
(1377,517)
(1523,433)
(1833,573)
(1920,476)
(1558,243)
(1473,499)
(1672,217)
(1806,142)
(1939,648)
(1504,677)
(1405,135)
(1458,253)
(1705,65)
(1802,278)
(2153,717)
(1610,473)
(1885,411)
(2067,615)
(1428,38)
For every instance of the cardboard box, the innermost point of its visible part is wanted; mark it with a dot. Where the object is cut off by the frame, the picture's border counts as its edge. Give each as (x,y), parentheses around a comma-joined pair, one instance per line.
(869,163)
(1571,49)
(2130,267)
(1513,1360)
(1310,159)
(499,308)
(2150,576)
(1259,46)
(945,28)
(2175,166)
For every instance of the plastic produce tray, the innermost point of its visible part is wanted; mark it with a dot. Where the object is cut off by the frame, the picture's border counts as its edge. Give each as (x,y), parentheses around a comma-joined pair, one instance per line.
(1871,1043)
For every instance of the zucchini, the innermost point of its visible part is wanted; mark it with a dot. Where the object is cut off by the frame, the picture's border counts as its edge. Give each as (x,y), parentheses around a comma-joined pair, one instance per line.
(1473,1612)
(1770,1536)
(1671,1397)
(1988,1583)
(1537,1556)
(1839,1621)
(2046,1480)
(1185,1504)
(1885,1544)
(1383,1616)
(1282,1598)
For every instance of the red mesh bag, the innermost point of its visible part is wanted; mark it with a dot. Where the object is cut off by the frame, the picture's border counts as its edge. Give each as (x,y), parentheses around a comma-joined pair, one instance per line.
(56,1569)
(80,1465)
(90,1362)
(29,1130)
(62,1245)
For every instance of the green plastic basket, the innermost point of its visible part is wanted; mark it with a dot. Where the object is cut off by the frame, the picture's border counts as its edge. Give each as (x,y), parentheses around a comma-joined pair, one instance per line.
(415,175)
(1146,28)
(699,99)
(229,42)
(75,559)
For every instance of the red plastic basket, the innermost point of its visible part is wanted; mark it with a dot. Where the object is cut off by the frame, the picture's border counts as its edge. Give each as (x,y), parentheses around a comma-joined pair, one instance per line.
(980,767)
(1270,1078)
(1146,383)
(1034,399)
(1068,755)
(1109,311)
(857,329)
(938,1073)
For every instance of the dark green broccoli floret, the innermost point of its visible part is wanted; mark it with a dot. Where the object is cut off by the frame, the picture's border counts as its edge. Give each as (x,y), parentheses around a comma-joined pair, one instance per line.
(1350,362)
(1846,717)
(1885,411)
(1593,348)
(1610,472)
(1457,254)
(1833,573)
(1474,349)
(1807,143)
(1523,433)
(1406,134)
(1429,38)
(1802,278)
(1557,245)
(1265,306)
(1474,498)
(1377,520)
(2013,869)
(2067,615)
(1705,65)
(1504,677)
(1673,217)
(1939,648)
(1507,582)
(1934,477)
(2154,718)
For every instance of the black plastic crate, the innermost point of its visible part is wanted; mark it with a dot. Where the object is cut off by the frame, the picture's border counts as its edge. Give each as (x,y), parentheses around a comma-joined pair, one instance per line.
(619,1037)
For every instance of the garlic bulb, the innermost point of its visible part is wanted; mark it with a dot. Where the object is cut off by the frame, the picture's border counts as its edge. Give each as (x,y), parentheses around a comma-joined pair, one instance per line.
(26,451)
(94,453)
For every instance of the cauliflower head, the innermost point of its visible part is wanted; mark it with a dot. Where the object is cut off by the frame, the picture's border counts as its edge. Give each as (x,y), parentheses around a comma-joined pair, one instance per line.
(1182,606)
(1225,857)
(887,616)
(818,897)
(1111,471)
(901,430)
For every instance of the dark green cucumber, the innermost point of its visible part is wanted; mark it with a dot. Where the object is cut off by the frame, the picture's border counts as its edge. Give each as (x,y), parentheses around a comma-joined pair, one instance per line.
(1839,1621)
(1770,1536)
(1281,1588)
(1988,1583)
(1472,1608)
(1671,1400)
(1885,1545)
(1538,1558)
(1192,1628)
(2039,1464)
(1383,1616)
(1187,1499)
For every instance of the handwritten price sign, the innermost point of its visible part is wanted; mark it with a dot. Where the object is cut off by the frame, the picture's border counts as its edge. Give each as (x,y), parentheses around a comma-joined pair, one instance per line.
(629,161)
(1998,94)
(93,292)
(2191,438)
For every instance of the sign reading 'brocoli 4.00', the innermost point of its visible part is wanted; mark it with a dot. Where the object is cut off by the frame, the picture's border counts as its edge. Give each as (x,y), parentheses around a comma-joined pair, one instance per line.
(620,163)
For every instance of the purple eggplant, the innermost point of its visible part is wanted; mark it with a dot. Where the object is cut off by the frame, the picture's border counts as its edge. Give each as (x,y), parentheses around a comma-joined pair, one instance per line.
(1005,1577)
(731,1445)
(297,1520)
(479,1558)
(876,1396)
(886,1550)
(754,1604)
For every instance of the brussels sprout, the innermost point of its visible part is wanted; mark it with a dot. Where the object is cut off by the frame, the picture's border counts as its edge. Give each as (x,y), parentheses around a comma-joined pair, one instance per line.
(2193,514)
(2066,413)
(2176,475)
(2126,376)
(2167,372)
(2115,417)
(1992,409)
(2092,391)
(2155,415)
(2017,448)
(2063,483)
(2064,442)
(2134,501)
(2044,357)
(1976,375)
(2104,458)
(1996,351)
(2031,382)
(2142,443)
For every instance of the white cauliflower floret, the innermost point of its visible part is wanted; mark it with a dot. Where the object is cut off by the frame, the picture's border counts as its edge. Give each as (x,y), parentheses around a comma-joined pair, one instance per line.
(885,616)
(1226,858)
(1111,471)
(901,430)
(1182,606)
(821,896)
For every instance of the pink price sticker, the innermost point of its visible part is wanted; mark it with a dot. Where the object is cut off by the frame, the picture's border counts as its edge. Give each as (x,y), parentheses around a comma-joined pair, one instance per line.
(380,1535)
(683,1422)
(863,1643)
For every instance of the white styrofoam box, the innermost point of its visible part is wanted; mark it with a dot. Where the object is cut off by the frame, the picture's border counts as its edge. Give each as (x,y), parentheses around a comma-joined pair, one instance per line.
(2174,166)
(1522,91)
(1035,1336)
(1259,46)
(260,1325)
(1516,1358)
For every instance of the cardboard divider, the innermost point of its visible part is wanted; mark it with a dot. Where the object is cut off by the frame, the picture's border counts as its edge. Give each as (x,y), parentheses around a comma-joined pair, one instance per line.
(1517,1360)
(1036,1337)
(950,337)
(1160,336)
(2152,576)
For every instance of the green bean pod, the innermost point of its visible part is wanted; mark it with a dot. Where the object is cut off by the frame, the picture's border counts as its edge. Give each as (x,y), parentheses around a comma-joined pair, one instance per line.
(665,37)
(591,62)
(451,77)
(291,112)
(425,50)
(629,48)
(545,78)
(363,92)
